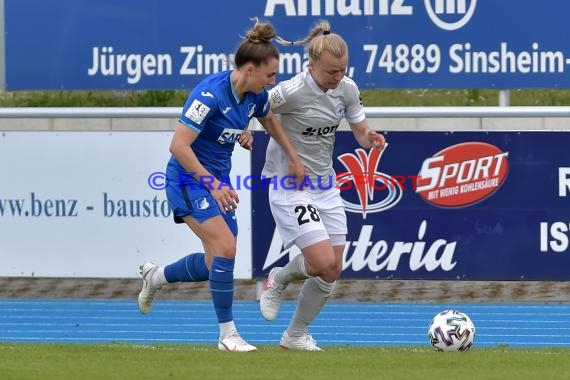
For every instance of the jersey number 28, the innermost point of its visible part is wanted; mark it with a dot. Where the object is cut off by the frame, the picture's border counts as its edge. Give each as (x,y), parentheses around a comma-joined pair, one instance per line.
(306,214)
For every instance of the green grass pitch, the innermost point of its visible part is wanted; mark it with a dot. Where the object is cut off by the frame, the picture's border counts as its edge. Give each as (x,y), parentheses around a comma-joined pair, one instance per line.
(130,361)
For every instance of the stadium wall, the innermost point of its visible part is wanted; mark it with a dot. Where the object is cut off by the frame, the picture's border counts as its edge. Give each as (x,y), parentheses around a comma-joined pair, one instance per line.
(149,130)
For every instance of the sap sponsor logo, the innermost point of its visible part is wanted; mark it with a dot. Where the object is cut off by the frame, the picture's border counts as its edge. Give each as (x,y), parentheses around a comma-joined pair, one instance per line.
(229,136)
(462,174)
(380,255)
(445,14)
(362,171)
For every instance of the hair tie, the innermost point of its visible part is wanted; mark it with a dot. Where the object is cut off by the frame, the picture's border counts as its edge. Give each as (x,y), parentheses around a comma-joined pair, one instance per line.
(325,32)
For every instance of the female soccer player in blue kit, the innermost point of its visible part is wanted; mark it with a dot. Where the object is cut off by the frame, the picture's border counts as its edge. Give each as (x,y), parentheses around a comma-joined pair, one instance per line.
(213,119)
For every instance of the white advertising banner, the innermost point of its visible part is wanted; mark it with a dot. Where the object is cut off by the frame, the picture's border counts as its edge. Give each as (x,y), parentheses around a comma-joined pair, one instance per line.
(92,204)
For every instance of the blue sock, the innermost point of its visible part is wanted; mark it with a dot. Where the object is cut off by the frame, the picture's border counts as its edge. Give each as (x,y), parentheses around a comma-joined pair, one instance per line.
(191,268)
(222,287)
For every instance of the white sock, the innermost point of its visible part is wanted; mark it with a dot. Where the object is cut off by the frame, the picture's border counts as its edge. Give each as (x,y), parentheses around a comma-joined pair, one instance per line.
(158,279)
(227,329)
(312,297)
(292,271)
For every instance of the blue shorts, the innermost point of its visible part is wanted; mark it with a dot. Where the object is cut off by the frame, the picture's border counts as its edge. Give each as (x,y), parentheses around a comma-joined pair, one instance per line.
(188,199)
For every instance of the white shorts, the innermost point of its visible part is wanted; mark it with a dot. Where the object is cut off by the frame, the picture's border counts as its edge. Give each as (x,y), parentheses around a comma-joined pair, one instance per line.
(297,213)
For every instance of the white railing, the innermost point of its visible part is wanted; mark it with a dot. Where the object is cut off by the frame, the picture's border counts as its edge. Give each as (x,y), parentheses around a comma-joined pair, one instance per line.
(371,112)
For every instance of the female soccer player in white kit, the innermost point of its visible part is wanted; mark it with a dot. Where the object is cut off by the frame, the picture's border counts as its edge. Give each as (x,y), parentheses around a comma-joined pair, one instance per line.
(311,106)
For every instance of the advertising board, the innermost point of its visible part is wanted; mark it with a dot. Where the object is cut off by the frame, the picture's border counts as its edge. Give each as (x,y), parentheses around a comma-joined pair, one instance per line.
(442,205)
(165,45)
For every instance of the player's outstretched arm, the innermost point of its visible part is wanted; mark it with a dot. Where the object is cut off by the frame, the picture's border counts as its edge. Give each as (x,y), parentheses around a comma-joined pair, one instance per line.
(366,137)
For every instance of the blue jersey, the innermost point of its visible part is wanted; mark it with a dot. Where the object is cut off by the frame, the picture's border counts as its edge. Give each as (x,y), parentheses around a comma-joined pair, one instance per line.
(214,111)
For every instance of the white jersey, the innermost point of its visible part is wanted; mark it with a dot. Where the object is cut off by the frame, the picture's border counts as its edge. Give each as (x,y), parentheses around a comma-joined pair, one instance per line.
(310,117)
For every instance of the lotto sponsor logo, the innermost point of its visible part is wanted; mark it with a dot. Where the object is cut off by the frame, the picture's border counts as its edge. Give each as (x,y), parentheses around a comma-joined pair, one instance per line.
(463,174)
(326,131)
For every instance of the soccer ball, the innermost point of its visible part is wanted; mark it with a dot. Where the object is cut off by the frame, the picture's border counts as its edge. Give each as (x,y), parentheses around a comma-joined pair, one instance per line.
(451,330)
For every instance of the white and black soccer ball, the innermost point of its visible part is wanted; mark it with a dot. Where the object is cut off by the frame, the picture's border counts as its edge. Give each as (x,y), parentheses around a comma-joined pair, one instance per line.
(451,330)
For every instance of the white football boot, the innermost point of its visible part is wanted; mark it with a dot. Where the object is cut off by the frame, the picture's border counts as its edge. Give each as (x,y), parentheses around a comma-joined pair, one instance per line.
(235,343)
(148,291)
(270,299)
(302,343)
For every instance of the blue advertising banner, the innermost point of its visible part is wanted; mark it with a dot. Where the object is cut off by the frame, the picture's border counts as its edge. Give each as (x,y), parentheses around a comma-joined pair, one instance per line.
(436,205)
(170,44)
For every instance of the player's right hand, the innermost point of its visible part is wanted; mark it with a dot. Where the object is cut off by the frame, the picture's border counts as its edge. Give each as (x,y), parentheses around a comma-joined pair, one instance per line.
(246,140)
(298,171)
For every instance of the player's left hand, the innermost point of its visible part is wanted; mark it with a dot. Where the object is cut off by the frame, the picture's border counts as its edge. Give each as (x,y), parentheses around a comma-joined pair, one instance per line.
(226,198)
(246,140)
(377,140)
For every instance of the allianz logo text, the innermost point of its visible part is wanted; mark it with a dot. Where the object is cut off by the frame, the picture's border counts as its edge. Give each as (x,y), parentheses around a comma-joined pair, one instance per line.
(445,14)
